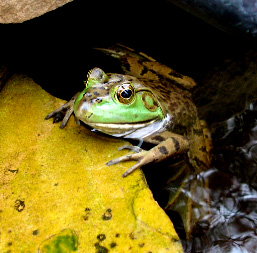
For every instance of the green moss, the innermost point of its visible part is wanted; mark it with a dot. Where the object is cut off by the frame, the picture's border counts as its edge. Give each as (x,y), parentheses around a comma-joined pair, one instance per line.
(64,242)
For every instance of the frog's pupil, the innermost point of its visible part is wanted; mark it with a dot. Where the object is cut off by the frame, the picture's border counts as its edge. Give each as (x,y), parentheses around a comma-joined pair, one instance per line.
(126,93)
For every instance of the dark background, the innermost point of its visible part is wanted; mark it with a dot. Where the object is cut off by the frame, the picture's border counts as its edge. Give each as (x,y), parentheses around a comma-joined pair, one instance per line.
(56,48)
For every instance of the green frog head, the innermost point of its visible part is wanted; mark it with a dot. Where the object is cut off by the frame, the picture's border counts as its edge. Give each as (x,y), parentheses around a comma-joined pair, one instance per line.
(119,105)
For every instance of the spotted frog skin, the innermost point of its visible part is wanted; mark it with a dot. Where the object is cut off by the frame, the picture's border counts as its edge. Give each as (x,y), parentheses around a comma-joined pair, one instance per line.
(143,107)
(151,102)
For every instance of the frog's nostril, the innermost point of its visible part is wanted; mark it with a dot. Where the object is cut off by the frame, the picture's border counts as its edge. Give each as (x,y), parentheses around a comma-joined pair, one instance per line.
(98,100)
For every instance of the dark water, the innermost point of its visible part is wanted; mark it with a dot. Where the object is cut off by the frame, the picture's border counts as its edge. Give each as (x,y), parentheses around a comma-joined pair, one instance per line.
(232,225)
(233,185)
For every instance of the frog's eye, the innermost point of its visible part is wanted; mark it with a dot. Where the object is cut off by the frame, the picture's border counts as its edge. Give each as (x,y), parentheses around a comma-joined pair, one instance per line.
(125,93)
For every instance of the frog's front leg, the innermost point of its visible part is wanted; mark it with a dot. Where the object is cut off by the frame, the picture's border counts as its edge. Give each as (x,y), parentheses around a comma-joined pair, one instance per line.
(68,107)
(172,146)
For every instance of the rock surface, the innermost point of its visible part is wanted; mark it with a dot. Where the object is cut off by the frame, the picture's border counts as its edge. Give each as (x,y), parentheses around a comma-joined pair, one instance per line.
(18,11)
(57,194)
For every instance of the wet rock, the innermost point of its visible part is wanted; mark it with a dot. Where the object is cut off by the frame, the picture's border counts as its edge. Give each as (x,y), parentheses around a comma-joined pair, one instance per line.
(18,11)
(56,192)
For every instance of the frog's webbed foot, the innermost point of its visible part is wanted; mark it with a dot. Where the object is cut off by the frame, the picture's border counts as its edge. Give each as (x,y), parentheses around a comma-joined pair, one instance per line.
(67,109)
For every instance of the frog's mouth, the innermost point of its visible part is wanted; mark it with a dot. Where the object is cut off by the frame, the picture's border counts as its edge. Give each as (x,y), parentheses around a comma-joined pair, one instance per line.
(138,130)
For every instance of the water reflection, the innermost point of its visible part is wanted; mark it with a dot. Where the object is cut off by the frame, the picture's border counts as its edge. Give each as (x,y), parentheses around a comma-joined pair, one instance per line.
(232,188)
(236,146)
(234,219)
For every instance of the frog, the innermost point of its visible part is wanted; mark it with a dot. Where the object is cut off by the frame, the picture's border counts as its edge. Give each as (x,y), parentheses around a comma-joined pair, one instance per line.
(149,102)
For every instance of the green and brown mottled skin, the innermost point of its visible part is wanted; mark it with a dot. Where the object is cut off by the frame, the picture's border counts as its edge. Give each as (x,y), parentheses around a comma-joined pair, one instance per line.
(185,123)
(173,91)
(178,128)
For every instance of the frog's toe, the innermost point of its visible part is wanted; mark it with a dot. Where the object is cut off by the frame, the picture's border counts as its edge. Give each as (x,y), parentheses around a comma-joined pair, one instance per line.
(131,169)
(57,116)
(77,120)
(133,148)
(120,159)
(126,158)
(50,115)
(66,117)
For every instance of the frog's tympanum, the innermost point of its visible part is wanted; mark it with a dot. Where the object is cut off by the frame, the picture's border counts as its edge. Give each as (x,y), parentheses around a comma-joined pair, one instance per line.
(152,103)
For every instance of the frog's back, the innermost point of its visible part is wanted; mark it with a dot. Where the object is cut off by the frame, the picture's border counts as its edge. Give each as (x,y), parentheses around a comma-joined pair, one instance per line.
(140,65)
